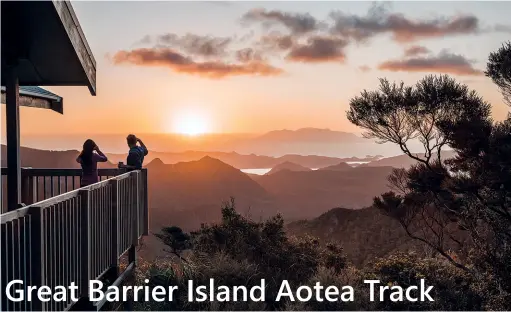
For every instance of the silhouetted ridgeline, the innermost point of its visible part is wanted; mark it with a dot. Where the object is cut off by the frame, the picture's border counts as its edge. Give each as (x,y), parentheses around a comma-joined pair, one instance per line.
(250,161)
(189,193)
(307,141)
(287,165)
(404,161)
(342,166)
(35,158)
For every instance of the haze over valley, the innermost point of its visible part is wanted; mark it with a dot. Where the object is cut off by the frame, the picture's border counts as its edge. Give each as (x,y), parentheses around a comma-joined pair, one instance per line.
(303,141)
(189,189)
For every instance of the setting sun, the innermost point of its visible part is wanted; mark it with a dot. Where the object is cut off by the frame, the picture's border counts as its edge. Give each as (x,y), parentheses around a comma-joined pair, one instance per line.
(190,123)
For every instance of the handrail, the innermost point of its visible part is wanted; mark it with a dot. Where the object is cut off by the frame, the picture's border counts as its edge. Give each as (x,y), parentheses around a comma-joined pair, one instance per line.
(13,215)
(41,183)
(74,237)
(49,172)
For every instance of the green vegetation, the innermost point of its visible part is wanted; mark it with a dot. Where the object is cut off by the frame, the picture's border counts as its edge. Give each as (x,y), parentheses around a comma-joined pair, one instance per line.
(239,251)
(459,208)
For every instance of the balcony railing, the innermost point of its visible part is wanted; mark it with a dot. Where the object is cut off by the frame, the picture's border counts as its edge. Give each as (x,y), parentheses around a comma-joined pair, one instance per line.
(40,184)
(76,236)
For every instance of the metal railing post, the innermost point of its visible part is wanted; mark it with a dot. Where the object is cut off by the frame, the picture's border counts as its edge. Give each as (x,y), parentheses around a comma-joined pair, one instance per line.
(145,182)
(28,187)
(115,223)
(36,253)
(132,252)
(136,215)
(86,241)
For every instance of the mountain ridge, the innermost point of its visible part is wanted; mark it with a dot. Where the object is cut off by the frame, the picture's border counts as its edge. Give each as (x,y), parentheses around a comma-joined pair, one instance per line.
(187,194)
(342,166)
(287,165)
(303,141)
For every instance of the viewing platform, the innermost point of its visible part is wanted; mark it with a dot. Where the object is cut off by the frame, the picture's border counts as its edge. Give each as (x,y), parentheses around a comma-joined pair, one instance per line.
(69,234)
(54,233)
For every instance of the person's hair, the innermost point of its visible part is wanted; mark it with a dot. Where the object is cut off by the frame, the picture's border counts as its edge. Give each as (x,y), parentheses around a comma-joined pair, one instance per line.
(132,139)
(88,149)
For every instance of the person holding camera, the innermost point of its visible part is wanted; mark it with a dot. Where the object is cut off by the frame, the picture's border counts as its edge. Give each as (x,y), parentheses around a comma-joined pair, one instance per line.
(88,159)
(136,153)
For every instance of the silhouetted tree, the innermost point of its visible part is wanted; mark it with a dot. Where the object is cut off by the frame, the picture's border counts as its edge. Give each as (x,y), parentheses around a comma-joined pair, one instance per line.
(461,204)
(175,238)
(499,70)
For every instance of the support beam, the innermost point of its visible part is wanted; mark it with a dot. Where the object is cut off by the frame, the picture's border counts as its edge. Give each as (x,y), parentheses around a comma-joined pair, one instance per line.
(12,117)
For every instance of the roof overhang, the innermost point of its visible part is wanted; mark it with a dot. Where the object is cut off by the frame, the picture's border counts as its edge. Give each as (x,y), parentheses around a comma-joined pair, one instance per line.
(45,45)
(38,97)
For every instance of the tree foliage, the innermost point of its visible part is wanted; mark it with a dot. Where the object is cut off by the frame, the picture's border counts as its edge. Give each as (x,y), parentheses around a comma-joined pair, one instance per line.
(399,114)
(461,207)
(499,70)
(241,252)
(175,238)
(263,245)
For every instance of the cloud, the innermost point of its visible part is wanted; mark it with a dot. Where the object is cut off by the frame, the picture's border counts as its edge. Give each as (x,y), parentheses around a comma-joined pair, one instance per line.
(182,64)
(246,37)
(311,49)
(318,49)
(379,21)
(146,40)
(248,55)
(416,50)
(204,46)
(297,23)
(275,41)
(303,38)
(364,68)
(445,62)
(502,28)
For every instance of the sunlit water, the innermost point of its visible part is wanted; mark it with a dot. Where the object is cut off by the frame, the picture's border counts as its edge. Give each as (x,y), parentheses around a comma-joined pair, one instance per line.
(261,171)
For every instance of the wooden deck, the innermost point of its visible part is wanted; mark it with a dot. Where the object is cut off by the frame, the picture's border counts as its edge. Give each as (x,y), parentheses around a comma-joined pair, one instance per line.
(75,235)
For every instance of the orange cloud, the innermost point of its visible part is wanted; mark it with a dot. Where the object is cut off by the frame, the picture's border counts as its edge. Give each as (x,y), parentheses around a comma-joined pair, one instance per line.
(204,46)
(443,63)
(297,23)
(379,20)
(183,64)
(248,55)
(319,49)
(276,42)
(416,50)
(405,30)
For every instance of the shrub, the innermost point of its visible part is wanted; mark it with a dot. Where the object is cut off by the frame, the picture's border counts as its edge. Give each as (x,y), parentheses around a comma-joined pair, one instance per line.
(453,288)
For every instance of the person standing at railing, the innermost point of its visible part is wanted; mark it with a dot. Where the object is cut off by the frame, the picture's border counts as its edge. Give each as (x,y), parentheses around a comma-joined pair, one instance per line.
(136,153)
(88,159)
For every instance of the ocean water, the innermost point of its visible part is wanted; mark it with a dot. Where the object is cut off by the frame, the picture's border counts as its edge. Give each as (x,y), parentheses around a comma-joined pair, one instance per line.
(262,171)
(259,171)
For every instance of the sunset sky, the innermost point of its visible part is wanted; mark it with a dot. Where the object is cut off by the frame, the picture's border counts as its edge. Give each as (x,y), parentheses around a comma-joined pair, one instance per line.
(259,66)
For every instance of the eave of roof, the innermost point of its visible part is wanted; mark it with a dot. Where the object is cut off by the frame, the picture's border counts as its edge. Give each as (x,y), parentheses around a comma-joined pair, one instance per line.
(32,96)
(44,45)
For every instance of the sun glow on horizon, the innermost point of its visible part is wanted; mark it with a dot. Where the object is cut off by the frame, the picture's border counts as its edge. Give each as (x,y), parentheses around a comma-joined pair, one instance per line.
(190,123)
